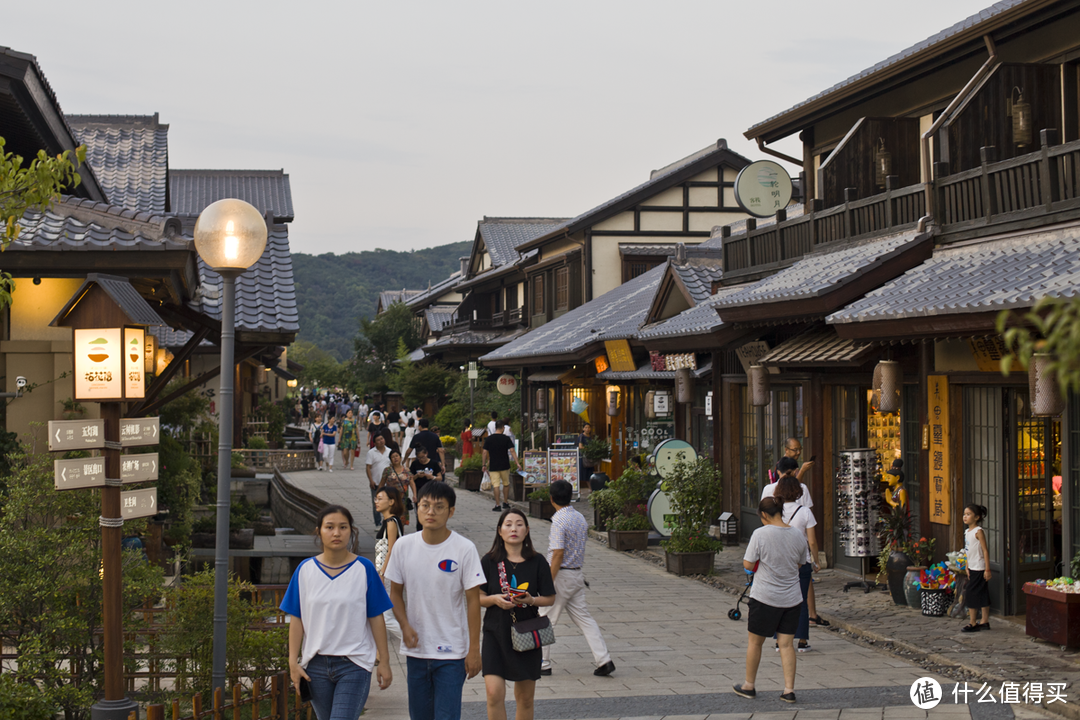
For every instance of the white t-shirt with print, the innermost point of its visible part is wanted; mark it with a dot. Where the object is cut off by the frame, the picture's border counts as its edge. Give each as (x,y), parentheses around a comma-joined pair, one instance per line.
(435,579)
(378,462)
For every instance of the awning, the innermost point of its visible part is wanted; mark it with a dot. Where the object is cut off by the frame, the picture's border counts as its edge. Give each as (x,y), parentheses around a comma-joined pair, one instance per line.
(817,348)
(546,376)
(645,372)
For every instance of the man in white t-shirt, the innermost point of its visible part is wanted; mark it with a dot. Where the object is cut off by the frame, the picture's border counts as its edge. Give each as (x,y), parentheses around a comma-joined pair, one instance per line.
(492,430)
(378,459)
(440,618)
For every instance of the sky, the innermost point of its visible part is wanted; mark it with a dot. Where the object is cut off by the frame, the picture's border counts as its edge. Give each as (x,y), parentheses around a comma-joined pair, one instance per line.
(401,124)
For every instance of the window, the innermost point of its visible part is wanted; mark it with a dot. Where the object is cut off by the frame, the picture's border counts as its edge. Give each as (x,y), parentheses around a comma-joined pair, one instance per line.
(635,265)
(538,295)
(562,289)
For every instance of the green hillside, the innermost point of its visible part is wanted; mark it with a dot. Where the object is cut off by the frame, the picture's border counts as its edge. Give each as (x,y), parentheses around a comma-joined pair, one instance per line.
(334,291)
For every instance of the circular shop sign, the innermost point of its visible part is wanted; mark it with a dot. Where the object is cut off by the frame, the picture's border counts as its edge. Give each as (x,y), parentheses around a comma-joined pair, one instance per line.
(507,384)
(670,452)
(661,517)
(762,188)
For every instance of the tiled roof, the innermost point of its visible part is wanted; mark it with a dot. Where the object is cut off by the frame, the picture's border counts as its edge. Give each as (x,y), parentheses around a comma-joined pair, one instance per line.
(130,157)
(617,314)
(821,272)
(965,24)
(76,224)
(433,292)
(389,297)
(268,190)
(817,347)
(1005,273)
(437,318)
(645,372)
(695,321)
(265,294)
(657,249)
(477,337)
(698,276)
(172,338)
(502,236)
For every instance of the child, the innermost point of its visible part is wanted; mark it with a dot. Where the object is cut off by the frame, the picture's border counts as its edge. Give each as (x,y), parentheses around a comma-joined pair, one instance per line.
(977,595)
(440,620)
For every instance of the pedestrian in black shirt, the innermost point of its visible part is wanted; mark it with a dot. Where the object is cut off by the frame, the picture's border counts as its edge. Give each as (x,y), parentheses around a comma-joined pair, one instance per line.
(498,450)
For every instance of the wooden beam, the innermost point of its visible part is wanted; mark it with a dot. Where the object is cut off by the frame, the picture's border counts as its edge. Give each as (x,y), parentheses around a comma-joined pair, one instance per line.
(156,405)
(166,377)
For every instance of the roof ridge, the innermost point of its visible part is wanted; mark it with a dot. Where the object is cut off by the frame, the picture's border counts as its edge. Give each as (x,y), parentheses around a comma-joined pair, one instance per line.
(223,171)
(90,119)
(116,217)
(522,220)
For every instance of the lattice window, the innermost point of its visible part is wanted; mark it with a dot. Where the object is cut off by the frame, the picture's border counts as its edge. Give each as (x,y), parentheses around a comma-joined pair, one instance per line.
(562,288)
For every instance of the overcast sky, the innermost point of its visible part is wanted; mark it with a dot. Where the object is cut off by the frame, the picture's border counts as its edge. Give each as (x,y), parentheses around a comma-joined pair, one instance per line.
(403,123)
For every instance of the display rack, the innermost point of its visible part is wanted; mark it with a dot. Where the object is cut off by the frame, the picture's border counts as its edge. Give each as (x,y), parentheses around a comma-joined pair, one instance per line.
(858,482)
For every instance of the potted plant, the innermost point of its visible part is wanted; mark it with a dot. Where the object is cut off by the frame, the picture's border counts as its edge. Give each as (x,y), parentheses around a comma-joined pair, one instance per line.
(595,452)
(471,472)
(921,552)
(893,531)
(540,504)
(606,504)
(634,487)
(628,532)
(695,489)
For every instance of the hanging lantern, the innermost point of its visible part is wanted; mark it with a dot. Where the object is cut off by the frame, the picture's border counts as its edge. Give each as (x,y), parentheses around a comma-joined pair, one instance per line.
(875,386)
(1046,396)
(758,379)
(684,386)
(891,381)
(882,163)
(541,400)
(613,401)
(1020,111)
(650,406)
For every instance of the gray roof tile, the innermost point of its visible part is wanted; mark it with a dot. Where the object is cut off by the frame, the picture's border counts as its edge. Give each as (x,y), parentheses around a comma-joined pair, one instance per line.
(817,347)
(477,337)
(615,315)
(698,276)
(389,297)
(433,292)
(437,318)
(824,271)
(695,321)
(130,157)
(645,372)
(268,190)
(997,274)
(502,236)
(75,224)
(656,249)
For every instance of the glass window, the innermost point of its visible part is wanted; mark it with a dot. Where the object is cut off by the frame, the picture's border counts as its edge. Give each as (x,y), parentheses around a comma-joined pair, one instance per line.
(562,288)
(538,295)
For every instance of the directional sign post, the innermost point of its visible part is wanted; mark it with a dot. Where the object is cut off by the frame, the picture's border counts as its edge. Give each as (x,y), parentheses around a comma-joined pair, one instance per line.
(140,431)
(138,503)
(138,468)
(79,473)
(76,434)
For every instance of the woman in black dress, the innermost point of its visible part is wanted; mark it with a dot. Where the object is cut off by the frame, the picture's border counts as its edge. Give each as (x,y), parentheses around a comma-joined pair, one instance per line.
(526,571)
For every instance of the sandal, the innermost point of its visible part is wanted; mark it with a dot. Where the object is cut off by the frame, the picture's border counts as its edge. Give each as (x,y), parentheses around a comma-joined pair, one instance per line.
(820,621)
(970,628)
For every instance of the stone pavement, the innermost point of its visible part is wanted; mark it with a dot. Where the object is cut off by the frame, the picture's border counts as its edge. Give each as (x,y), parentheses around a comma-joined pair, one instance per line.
(676,651)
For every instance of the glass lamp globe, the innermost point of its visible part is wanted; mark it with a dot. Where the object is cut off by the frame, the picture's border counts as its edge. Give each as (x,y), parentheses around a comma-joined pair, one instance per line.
(230,235)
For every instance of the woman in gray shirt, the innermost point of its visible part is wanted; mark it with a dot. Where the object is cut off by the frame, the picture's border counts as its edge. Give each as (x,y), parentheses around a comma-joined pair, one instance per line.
(778,550)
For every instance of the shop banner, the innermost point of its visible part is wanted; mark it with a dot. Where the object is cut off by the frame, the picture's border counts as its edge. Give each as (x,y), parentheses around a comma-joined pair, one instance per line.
(534,466)
(940,491)
(563,465)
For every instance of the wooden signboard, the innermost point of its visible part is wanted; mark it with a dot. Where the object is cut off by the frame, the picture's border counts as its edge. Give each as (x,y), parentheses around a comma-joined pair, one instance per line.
(139,468)
(79,473)
(619,356)
(76,434)
(138,503)
(140,431)
(940,490)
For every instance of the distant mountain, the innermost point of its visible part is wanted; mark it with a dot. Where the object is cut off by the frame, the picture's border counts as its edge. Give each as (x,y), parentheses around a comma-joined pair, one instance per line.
(334,291)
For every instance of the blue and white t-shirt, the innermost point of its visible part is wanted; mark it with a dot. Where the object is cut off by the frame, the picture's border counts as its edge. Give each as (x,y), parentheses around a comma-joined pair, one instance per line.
(335,609)
(435,579)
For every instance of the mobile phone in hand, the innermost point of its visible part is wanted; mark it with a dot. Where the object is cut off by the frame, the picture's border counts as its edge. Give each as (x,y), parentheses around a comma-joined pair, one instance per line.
(813,458)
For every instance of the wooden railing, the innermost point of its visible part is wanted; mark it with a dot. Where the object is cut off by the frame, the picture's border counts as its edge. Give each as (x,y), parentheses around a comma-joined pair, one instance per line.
(280,703)
(1028,186)
(290,460)
(500,319)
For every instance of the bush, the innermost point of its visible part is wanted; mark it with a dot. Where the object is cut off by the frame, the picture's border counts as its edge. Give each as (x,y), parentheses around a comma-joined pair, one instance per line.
(540,494)
(607,503)
(596,450)
(450,418)
(23,701)
(634,486)
(257,443)
(685,539)
(473,462)
(695,489)
(623,523)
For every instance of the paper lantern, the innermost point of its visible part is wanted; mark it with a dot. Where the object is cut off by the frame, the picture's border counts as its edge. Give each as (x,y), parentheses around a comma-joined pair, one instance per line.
(890,379)
(684,385)
(1020,113)
(1046,396)
(758,380)
(613,402)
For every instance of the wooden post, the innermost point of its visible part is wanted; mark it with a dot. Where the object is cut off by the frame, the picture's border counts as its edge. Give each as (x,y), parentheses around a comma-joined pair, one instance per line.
(891,183)
(751,246)
(155,712)
(988,156)
(850,196)
(1048,169)
(939,211)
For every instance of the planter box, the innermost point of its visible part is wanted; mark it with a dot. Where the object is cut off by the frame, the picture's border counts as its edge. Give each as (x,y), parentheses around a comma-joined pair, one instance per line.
(1053,616)
(623,540)
(694,563)
(470,479)
(542,509)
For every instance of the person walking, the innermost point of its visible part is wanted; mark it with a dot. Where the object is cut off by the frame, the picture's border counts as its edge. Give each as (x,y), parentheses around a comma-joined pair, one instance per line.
(777,550)
(398,477)
(585,467)
(425,469)
(802,519)
(393,421)
(426,438)
(377,460)
(388,502)
(494,421)
(977,595)
(435,578)
(410,432)
(375,427)
(329,646)
(314,434)
(566,556)
(518,582)
(330,432)
(350,440)
(498,452)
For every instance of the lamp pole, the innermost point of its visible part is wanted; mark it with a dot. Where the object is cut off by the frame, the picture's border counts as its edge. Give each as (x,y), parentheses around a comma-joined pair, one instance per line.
(230,236)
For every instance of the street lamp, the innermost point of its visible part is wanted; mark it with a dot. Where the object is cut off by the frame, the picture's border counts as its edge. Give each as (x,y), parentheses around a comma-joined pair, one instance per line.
(230,236)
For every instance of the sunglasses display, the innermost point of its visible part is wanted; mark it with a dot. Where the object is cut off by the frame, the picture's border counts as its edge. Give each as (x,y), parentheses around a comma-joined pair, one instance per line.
(858,479)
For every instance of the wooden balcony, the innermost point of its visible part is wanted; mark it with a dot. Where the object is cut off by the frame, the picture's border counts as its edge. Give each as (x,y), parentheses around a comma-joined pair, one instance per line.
(1019,193)
(506,318)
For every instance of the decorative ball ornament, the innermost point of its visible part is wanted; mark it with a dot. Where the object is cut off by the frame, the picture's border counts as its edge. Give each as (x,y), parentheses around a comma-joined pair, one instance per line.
(1046,396)
(758,379)
(891,380)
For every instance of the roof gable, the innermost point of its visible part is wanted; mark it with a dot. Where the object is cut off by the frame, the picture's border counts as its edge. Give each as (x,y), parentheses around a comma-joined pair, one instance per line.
(191,191)
(130,156)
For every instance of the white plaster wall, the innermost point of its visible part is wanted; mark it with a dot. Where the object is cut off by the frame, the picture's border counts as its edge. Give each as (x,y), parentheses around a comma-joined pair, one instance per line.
(661,221)
(704,197)
(707,221)
(672,197)
(33,307)
(558,248)
(707,176)
(622,221)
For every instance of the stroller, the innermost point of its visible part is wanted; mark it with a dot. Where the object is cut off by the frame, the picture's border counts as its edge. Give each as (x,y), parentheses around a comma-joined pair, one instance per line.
(735,613)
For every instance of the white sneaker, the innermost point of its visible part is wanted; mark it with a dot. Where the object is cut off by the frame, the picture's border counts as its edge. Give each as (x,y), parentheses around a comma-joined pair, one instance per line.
(320,468)
(331,469)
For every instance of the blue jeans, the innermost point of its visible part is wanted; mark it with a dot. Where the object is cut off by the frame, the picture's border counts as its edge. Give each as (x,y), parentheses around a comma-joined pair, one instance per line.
(339,687)
(435,688)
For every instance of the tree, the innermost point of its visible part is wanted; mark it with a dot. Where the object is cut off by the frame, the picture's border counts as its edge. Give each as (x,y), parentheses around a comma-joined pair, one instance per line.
(377,345)
(321,369)
(1052,326)
(485,398)
(35,186)
(420,381)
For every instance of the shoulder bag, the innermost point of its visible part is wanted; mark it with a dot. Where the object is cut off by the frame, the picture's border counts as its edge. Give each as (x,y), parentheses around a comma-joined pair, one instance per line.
(528,634)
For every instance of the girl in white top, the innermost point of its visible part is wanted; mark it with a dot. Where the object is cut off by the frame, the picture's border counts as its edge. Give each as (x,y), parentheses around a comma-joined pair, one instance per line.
(977,594)
(802,519)
(330,596)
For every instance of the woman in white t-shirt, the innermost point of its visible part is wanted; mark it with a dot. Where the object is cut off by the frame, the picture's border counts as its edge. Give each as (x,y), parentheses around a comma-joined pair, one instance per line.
(329,648)
(802,519)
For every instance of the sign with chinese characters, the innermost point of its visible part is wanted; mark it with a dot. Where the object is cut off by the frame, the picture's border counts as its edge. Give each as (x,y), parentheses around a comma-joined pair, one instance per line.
(99,367)
(988,352)
(138,503)
(661,403)
(139,468)
(140,431)
(940,491)
(534,465)
(79,473)
(134,364)
(506,384)
(674,361)
(601,364)
(563,465)
(762,188)
(76,434)
(750,353)
(619,356)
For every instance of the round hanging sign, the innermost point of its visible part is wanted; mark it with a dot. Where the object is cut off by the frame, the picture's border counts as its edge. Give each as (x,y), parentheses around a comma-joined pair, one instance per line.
(762,188)
(669,453)
(660,515)
(506,384)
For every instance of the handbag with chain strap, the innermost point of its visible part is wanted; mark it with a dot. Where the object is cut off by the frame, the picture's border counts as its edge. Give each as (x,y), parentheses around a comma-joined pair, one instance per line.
(528,634)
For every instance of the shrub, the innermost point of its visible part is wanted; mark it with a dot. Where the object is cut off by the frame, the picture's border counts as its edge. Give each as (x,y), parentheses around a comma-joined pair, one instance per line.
(473,462)
(542,494)
(450,417)
(623,523)
(685,539)
(634,486)
(23,701)
(607,503)
(695,489)
(257,443)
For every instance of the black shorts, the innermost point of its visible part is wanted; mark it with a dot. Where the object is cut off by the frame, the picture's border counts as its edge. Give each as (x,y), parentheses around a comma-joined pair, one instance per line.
(977,593)
(766,620)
